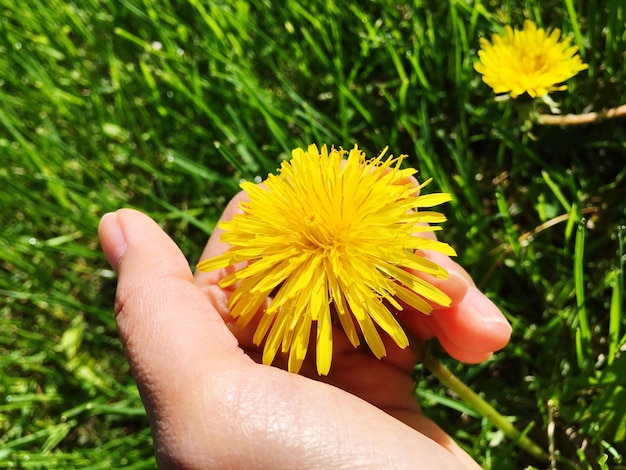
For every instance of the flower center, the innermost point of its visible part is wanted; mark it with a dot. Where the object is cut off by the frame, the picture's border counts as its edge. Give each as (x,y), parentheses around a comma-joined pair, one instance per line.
(323,237)
(532,63)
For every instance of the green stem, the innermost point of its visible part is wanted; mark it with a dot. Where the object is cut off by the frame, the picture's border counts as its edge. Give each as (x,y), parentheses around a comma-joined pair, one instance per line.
(481,406)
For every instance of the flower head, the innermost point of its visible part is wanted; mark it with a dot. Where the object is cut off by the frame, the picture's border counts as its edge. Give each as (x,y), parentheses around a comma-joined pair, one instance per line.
(532,61)
(330,238)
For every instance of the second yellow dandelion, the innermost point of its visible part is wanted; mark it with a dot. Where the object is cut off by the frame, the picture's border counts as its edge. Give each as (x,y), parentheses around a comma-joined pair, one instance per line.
(532,60)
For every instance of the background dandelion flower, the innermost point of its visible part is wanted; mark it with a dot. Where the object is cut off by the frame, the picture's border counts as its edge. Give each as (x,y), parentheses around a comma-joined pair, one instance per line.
(532,61)
(330,237)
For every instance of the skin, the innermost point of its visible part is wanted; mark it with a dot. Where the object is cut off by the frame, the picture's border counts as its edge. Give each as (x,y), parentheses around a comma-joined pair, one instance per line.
(212,405)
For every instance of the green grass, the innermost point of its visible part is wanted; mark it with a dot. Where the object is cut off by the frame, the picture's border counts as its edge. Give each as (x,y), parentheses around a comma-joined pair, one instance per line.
(110,104)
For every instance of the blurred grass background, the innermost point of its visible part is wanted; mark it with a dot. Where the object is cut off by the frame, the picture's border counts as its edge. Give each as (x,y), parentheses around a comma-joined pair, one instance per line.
(166,107)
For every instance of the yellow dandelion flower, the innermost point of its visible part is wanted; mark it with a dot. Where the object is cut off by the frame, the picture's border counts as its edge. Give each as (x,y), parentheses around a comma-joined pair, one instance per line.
(330,238)
(532,61)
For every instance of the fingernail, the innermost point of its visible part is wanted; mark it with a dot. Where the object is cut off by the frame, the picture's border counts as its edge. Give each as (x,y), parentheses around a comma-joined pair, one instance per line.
(112,238)
(489,313)
(490,316)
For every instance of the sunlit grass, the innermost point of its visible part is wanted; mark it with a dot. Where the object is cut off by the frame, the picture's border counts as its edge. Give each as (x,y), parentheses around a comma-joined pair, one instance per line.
(110,104)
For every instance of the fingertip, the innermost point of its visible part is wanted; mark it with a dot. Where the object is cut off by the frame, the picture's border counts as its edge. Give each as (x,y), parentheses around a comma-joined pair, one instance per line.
(475,325)
(494,324)
(112,238)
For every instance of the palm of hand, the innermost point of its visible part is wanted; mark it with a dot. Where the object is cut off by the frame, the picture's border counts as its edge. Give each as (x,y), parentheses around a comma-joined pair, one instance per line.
(359,381)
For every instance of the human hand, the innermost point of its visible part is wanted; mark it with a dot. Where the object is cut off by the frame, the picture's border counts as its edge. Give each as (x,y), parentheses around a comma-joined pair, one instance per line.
(211,405)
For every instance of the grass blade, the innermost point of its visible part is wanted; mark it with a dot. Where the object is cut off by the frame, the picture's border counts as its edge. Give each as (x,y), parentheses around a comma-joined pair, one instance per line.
(617,301)
(573,17)
(583,332)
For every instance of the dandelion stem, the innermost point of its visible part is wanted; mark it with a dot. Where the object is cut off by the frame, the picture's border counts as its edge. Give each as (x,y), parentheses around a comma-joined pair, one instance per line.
(577,119)
(481,406)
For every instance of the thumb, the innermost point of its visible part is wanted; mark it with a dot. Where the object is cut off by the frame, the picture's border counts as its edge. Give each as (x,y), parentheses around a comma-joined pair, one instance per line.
(164,321)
